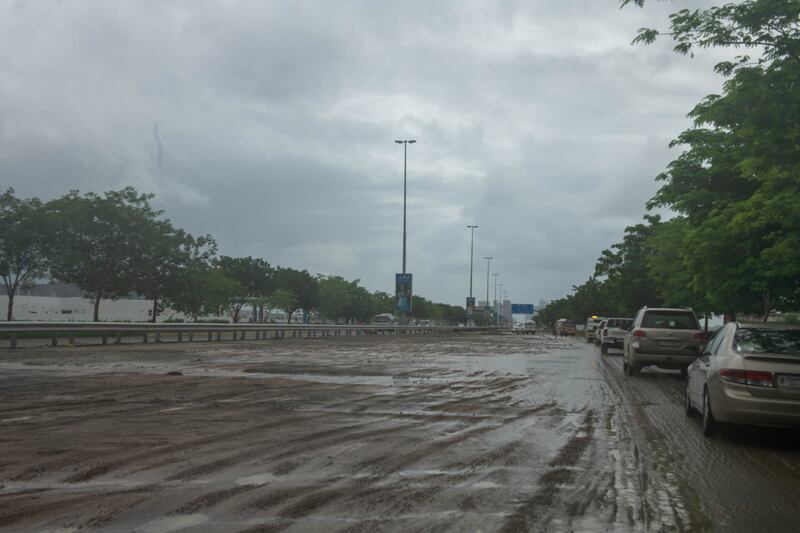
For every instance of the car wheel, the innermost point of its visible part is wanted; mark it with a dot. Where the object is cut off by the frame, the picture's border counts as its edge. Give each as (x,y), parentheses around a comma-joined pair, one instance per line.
(684,371)
(633,370)
(688,402)
(709,424)
(604,349)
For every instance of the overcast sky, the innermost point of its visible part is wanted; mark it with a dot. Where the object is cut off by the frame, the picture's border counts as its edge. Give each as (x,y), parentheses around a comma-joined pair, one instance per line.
(271,126)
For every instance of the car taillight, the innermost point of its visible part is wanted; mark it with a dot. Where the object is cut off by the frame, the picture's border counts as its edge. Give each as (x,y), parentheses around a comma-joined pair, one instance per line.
(639,333)
(605,332)
(700,337)
(746,377)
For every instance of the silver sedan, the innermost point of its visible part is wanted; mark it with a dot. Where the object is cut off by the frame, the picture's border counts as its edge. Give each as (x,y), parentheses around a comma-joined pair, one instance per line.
(748,374)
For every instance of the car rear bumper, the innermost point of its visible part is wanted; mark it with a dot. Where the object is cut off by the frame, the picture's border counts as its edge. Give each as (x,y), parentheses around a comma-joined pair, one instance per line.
(662,360)
(615,343)
(735,404)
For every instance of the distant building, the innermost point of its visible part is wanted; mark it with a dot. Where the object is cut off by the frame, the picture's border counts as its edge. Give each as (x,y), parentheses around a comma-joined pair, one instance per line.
(506,310)
(78,309)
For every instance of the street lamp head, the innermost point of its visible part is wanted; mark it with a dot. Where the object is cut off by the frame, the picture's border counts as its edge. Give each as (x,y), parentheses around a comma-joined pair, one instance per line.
(412,141)
(399,142)
(473,227)
(488,257)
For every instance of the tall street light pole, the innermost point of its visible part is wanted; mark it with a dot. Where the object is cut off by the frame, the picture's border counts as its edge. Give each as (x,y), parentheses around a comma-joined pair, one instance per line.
(494,308)
(471,248)
(405,144)
(488,260)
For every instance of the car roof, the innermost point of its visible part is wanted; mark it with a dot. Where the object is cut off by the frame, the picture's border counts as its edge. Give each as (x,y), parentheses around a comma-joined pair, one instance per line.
(767,325)
(620,318)
(669,309)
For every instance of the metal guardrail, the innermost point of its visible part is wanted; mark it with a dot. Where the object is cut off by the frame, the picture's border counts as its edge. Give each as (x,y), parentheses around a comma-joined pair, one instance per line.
(152,332)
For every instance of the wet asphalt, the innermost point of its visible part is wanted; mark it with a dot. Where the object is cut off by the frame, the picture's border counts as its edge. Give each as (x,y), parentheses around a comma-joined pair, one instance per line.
(409,433)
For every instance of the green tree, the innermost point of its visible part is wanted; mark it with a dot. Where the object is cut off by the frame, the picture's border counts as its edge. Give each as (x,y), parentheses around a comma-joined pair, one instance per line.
(286,300)
(94,239)
(254,276)
(627,282)
(335,297)
(22,255)
(165,251)
(737,182)
(300,283)
(670,266)
(203,291)
(768,27)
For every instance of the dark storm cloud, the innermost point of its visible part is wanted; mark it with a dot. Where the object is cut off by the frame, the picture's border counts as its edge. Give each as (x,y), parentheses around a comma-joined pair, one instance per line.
(271,125)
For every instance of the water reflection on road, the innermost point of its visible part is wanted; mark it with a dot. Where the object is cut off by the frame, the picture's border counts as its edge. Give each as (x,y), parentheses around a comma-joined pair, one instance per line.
(451,432)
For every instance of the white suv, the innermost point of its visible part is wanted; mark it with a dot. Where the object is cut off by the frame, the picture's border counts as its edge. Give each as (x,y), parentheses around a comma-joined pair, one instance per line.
(614,333)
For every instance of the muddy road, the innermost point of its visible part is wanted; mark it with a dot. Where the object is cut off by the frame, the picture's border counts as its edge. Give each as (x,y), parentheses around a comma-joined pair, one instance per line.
(410,433)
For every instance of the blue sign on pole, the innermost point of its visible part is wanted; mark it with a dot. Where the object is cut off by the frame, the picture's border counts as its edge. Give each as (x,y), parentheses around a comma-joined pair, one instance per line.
(403,292)
(521,309)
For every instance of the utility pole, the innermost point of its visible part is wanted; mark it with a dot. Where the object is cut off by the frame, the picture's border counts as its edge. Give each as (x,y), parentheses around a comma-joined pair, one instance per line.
(471,248)
(488,260)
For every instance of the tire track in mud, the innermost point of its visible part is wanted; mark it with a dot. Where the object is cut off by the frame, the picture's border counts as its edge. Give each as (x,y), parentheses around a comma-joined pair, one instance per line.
(368,492)
(532,511)
(324,439)
(100,508)
(182,448)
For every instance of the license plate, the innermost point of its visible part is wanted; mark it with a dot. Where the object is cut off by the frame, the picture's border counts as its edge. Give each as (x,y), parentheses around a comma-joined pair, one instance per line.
(789,381)
(669,343)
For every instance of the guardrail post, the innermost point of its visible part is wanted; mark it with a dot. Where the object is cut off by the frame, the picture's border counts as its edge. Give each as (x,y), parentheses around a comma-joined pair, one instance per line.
(105,339)
(180,336)
(191,335)
(13,341)
(144,337)
(158,336)
(219,335)
(71,339)
(118,339)
(54,340)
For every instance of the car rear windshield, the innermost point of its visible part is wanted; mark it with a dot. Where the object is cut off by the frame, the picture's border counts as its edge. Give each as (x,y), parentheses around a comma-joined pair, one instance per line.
(777,341)
(670,320)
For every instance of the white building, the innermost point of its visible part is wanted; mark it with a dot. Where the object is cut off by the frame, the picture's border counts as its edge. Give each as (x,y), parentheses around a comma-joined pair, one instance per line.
(55,309)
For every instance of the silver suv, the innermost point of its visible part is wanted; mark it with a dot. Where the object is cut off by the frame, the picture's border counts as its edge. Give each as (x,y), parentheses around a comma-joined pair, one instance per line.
(663,337)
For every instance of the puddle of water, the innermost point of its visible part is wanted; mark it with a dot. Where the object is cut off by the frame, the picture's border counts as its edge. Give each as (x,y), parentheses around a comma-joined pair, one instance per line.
(17,419)
(173,523)
(256,479)
(485,485)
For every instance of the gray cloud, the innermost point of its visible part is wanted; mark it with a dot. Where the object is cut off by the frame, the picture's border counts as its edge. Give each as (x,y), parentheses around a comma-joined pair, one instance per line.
(271,124)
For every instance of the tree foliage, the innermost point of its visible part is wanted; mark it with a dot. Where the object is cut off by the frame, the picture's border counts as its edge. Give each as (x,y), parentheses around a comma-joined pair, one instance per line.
(22,252)
(734,244)
(93,240)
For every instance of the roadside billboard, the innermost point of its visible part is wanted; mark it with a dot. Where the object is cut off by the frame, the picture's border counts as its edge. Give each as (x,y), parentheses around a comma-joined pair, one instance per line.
(470,307)
(521,309)
(403,292)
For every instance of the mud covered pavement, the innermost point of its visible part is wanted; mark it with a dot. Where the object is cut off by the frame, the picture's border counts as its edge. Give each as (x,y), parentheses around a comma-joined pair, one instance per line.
(417,433)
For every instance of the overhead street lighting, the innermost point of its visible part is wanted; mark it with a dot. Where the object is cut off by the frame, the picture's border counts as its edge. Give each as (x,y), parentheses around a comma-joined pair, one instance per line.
(405,144)
(494,307)
(471,248)
(488,260)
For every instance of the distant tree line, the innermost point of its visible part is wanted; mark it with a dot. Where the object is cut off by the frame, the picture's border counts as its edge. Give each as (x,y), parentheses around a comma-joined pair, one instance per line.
(733,246)
(116,245)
